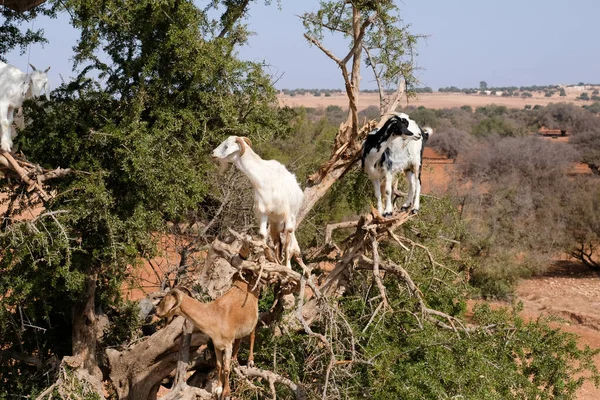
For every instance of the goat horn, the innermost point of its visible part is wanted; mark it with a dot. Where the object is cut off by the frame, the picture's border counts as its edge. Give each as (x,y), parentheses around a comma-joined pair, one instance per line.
(47,69)
(32,67)
(178,296)
(185,290)
(242,143)
(248,142)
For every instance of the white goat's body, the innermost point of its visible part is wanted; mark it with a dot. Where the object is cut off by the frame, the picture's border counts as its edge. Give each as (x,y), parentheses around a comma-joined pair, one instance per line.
(16,86)
(277,194)
(395,147)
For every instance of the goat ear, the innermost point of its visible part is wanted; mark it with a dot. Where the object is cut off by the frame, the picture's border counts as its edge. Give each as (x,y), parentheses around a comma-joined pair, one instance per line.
(240,141)
(247,140)
(47,69)
(32,67)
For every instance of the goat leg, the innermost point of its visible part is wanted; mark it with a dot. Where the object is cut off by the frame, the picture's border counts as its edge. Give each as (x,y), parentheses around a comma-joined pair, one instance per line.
(251,355)
(226,371)
(236,349)
(389,177)
(219,356)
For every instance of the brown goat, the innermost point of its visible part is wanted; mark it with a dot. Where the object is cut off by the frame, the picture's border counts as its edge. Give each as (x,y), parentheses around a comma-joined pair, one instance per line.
(227,320)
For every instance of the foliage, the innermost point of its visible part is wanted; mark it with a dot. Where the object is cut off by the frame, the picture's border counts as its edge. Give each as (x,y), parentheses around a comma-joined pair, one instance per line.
(173,88)
(12,36)
(397,354)
(388,45)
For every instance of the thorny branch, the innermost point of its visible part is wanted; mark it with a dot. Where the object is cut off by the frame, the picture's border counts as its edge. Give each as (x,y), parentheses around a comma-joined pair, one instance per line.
(32,175)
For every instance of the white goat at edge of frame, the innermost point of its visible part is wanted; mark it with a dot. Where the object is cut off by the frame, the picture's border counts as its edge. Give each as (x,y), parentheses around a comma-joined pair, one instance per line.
(16,86)
(395,147)
(277,194)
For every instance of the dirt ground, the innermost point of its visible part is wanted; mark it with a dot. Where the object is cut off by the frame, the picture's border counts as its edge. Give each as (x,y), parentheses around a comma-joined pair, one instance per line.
(429,100)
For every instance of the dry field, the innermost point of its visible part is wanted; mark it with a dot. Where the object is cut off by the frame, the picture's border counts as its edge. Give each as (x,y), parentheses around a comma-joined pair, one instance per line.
(429,100)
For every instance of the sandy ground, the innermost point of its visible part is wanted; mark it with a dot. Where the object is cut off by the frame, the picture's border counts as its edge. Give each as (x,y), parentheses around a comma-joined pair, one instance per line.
(429,100)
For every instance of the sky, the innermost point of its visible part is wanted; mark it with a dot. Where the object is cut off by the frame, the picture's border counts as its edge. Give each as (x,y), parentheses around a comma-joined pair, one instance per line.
(502,42)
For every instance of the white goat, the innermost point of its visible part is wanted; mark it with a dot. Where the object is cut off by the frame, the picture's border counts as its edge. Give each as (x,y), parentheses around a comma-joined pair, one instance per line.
(227,320)
(395,147)
(277,194)
(16,86)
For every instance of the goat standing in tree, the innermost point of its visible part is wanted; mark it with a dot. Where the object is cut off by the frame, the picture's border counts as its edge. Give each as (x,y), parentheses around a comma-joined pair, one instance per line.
(227,320)
(277,194)
(16,86)
(396,147)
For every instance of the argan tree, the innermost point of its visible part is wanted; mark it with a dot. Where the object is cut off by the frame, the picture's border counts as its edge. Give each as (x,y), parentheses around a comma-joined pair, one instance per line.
(373,30)
(137,145)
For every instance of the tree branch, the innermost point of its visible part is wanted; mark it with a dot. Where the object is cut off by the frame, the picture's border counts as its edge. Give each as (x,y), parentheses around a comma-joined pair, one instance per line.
(323,49)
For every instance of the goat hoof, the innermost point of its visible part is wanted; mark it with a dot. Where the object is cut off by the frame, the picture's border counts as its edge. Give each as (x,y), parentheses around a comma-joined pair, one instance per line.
(387,214)
(404,208)
(6,147)
(250,364)
(414,211)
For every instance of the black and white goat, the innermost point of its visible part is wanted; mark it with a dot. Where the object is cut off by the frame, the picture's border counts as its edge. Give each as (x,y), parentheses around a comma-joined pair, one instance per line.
(277,194)
(16,86)
(395,147)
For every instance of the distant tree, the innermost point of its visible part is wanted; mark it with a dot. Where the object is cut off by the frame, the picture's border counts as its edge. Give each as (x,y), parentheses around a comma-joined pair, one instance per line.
(526,94)
(562,92)
(584,96)
(483,85)
(594,108)
(583,220)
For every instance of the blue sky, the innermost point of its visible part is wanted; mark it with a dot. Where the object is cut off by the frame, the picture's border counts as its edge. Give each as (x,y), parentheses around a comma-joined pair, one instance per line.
(504,42)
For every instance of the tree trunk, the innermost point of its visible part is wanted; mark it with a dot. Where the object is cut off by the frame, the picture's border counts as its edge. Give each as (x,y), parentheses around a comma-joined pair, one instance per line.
(345,153)
(137,371)
(85,334)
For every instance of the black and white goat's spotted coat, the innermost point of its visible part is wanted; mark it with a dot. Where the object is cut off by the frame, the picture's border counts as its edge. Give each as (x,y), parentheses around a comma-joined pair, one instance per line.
(395,147)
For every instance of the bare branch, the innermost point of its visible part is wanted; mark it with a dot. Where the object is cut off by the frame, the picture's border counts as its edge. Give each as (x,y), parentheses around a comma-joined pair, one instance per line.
(323,49)
(272,378)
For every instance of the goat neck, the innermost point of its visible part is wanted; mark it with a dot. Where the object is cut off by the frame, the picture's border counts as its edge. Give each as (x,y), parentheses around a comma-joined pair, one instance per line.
(246,286)
(201,314)
(251,165)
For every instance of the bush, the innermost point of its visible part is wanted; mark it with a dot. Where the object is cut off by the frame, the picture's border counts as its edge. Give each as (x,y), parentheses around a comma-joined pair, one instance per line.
(451,142)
